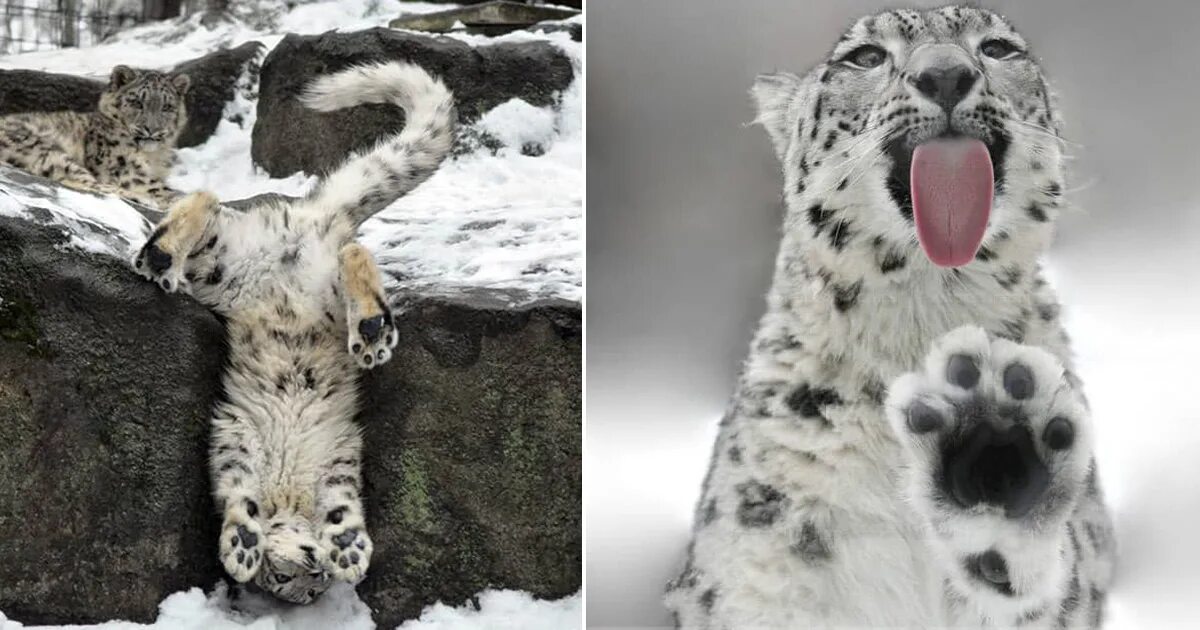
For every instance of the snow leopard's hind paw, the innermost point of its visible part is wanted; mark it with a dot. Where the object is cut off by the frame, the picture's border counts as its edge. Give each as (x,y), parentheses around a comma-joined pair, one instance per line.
(372,336)
(348,550)
(241,548)
(372,329)
(992,429)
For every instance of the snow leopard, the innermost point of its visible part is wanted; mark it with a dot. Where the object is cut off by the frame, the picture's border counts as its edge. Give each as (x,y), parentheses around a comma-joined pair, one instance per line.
(305,312)
(908,445)
(123,148)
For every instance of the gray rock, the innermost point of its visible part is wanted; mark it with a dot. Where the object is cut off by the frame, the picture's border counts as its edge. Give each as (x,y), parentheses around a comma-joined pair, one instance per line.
(288,138)
(494,17)
(214,82)
(472,461)
(105,386)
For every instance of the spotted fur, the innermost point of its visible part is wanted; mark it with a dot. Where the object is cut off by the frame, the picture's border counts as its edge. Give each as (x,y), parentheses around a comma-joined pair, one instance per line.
(123,148)
(305,310)
(823,506)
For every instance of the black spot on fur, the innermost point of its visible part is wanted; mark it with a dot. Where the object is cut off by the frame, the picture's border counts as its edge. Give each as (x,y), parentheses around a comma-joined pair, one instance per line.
(760,504)
(710,512)
(335,516)
(807,400)
(839,233)
(845,297)
(892,262)
(1009,277)
(819,218)
(1037,213)
(707,599)
(810,546)
(984,254)
(251,508)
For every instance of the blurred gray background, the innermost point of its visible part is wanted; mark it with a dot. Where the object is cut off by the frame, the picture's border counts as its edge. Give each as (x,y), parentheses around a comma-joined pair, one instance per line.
(683,211)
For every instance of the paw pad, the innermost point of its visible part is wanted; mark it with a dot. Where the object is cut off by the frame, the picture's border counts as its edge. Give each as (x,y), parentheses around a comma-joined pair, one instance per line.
(992,567)
(922,418)
(962,371)
(1059,434)
(1018,381)
(158,260)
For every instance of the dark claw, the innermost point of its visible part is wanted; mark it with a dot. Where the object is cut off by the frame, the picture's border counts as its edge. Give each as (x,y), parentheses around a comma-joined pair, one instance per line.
(1018,381)
(158,260)
(369,328)
(962,371)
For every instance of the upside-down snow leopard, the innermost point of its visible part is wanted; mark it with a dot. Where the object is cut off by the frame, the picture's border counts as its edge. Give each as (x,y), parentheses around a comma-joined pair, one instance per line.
(122,148)
(907,446)
(305,310)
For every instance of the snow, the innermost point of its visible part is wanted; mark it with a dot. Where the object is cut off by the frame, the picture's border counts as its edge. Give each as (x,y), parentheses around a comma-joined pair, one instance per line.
(500,220)
(340,608)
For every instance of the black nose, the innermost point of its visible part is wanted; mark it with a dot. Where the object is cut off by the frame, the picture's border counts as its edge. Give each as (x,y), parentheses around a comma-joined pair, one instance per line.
(995,467)
(946,86)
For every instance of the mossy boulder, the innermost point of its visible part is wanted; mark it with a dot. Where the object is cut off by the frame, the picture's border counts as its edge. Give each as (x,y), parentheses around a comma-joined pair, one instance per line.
(471,464)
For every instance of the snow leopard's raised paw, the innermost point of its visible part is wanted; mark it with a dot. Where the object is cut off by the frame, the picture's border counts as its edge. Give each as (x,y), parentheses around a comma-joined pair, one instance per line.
(373,334)
(993,430)
(242,548)
(155,264)
(347,550)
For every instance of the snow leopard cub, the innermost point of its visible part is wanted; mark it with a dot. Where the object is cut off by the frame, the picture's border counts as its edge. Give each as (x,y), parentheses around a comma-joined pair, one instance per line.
(122,148)
(907,446)
(305,310)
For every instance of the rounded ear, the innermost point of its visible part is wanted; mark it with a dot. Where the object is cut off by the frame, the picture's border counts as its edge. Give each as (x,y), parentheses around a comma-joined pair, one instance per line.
(773,96)
(122,76)
(181,82)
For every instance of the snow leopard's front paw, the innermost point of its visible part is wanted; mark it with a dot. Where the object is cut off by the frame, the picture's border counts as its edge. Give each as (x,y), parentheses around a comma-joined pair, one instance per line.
(993,429)
(373,333)
(347,551)
(241,547)
(160,266)
(164,256)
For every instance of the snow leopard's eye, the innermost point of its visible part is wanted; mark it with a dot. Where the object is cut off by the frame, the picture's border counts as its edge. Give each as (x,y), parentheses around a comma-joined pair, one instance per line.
(864,57)
(282,579)
(999,49)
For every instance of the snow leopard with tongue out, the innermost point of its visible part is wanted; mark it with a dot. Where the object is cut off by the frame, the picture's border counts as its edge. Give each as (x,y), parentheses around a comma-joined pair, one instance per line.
(907,446)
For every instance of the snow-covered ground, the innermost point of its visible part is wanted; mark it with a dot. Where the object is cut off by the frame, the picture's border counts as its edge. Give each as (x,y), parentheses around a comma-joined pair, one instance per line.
(340,609)
(498,220)
(501,221)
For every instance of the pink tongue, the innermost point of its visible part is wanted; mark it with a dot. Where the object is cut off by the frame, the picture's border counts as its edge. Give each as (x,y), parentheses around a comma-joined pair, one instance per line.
(951,183)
